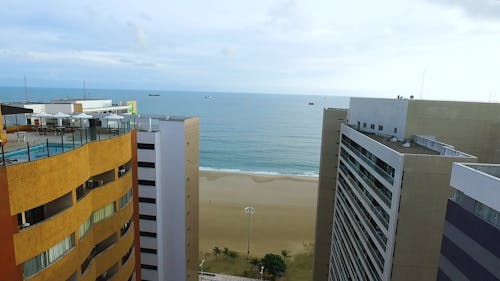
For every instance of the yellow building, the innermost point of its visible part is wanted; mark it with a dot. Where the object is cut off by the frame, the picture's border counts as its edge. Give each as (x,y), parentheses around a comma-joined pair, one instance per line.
(70,216)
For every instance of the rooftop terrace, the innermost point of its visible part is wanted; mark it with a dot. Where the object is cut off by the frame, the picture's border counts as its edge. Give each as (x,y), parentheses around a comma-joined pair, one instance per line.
(425,145)
(38,142)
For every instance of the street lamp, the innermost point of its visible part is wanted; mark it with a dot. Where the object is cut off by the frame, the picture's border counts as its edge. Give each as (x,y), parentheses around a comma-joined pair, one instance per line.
(249,211)
(261,272)
(201,267)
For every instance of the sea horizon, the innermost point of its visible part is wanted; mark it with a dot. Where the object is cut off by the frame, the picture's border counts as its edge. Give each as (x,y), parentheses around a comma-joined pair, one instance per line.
(268,134)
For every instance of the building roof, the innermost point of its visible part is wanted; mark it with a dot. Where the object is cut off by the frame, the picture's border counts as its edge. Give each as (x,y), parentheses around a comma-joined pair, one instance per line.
(478,181)
(9,110)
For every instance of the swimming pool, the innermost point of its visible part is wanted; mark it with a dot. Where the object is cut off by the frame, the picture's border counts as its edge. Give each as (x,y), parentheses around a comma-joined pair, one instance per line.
(37,152)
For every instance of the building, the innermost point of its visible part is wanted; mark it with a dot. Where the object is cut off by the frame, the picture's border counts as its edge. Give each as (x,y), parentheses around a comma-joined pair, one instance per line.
(394,158)
(69,216)
(168,163)
(67,106)
(470,248)
(332,119)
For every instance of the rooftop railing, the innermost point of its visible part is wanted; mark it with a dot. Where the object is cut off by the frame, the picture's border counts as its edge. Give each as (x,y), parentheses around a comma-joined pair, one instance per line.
(46,141)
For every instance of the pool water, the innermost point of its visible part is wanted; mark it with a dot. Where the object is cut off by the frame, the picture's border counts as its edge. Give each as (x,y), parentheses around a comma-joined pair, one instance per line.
(38,151)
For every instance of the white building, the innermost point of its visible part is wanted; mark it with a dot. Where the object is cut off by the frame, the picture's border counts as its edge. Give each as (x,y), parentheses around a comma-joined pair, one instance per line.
(168,163)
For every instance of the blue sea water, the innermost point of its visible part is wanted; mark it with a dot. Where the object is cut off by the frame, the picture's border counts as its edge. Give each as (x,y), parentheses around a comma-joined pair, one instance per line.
(257,133)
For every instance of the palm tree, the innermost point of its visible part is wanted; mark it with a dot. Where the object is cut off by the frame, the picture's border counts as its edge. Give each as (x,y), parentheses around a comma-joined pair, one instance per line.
(225,251)
(285,255)
(216,251)
(232,254)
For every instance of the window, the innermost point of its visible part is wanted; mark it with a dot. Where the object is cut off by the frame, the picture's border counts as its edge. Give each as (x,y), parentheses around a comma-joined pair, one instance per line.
(147,217)
(125,227)
(48,257)
(146,146)
(103,213)
(147,200)
(125,198)
(149,251)
(84,228)
(146,164)
(147,266)
(127,255)
(380,127)
(372,126)
(395,130)
(147,234)
(147,182)
(364,124)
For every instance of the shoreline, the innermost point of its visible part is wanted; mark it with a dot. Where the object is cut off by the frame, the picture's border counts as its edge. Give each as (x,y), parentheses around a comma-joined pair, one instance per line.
(285,211)
(258,173)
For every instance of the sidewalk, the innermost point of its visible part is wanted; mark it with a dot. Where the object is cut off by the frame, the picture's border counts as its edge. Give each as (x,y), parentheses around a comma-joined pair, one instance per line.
(206,276)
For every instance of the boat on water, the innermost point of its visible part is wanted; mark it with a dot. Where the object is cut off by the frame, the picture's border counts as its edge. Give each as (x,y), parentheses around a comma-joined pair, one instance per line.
(154,95)
(311,103)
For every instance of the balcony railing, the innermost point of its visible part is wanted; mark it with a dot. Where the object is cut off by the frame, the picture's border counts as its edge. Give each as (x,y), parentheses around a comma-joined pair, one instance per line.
(43,142)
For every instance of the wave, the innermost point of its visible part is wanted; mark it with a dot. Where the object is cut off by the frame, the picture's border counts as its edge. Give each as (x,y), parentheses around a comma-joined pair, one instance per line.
(304,174)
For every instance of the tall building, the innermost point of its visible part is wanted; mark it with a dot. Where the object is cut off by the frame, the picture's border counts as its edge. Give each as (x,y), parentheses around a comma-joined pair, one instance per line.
(470,248)
(67,210)
(332,119)
(168,163)
(394,159)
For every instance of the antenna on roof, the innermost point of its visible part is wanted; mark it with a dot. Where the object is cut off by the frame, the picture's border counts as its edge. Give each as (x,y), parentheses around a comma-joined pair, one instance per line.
(25,90)
(84,90)
(422,85)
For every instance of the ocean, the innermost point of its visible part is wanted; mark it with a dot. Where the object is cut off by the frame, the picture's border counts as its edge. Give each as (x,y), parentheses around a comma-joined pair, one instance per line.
(240,132)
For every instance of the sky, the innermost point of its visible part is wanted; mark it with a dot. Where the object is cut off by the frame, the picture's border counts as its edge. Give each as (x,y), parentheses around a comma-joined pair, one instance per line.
(432,49)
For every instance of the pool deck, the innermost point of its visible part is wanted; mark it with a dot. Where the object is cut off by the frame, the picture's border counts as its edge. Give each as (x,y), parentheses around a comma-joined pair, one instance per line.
(20,140)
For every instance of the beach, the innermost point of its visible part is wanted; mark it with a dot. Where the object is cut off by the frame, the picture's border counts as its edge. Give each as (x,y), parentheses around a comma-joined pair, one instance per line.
(284,218)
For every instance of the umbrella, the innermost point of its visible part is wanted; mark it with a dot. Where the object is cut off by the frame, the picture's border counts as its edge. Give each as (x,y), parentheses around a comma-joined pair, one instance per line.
(60,116)
(114,117)
(82,116)
(41,115)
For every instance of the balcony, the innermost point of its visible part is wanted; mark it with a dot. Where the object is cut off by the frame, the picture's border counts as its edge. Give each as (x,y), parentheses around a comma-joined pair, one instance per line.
(41,213)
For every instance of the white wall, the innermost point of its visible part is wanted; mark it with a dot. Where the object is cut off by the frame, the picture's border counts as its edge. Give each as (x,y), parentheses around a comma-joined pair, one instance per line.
(391,113)
(172,225)
(59,107)
(478,185)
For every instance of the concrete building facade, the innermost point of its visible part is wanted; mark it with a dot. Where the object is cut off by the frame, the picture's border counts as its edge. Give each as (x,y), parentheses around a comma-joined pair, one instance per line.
(332,120)
(168,163)
(70,216)
(382,237)
(470,248)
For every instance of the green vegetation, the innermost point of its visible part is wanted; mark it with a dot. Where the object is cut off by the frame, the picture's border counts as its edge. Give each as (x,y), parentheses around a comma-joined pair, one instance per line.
(298,266)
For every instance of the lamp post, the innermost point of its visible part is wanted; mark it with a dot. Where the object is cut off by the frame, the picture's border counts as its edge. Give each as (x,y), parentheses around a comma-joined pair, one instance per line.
(249,211)
(261,272)
(201,267)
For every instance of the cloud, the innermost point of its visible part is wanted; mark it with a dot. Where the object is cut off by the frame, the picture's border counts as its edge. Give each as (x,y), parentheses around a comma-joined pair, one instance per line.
(478,9)
(140,38)
(273,45)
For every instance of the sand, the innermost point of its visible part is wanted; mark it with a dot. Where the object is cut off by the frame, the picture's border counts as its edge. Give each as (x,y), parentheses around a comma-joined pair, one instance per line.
(284,219)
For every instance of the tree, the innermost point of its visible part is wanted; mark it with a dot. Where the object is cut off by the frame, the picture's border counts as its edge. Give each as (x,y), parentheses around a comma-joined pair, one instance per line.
(233,255)
(274,265)
(216,251)
(225,251)
(285,255)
